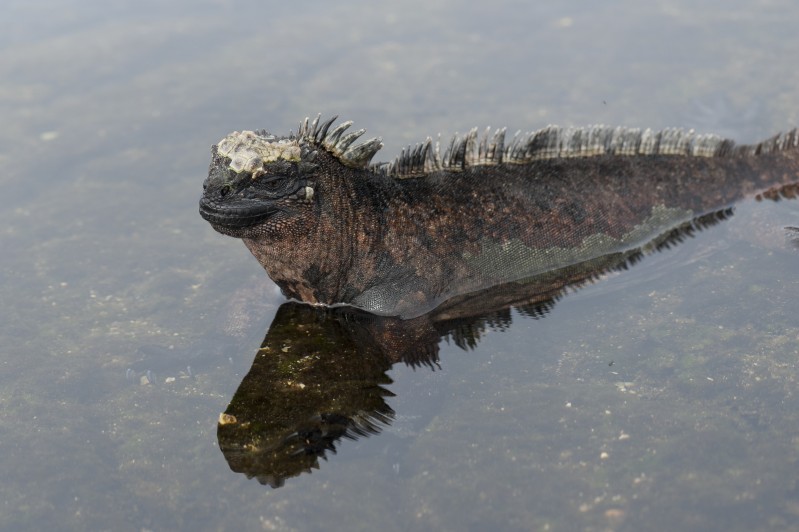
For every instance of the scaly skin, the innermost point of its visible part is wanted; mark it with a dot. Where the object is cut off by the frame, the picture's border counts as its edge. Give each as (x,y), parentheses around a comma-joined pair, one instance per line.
(328,231)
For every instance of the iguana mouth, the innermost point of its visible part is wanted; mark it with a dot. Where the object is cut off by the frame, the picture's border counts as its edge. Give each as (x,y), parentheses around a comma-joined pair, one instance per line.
(244,214)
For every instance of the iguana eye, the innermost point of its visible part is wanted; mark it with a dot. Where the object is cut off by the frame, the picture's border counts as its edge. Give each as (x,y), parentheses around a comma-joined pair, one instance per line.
(277,185)
(274,183)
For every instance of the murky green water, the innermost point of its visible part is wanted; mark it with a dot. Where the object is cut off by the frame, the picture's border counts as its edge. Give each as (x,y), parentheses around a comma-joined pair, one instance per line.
(660,398)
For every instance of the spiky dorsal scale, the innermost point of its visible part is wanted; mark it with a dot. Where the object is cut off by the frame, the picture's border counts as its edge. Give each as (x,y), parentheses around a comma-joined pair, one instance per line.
(550,142)
(339,144)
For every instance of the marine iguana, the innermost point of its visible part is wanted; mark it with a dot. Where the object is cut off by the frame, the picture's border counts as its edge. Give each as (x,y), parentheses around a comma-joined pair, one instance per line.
(402,238)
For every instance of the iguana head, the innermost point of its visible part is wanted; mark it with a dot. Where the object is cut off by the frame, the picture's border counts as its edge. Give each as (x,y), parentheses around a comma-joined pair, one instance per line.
(259,184)
(255,182)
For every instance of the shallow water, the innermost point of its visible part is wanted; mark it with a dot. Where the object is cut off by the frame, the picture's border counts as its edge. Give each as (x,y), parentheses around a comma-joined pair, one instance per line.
(663,397)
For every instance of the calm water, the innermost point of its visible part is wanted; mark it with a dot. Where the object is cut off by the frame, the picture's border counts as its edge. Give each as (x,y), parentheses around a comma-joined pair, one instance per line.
(664,397)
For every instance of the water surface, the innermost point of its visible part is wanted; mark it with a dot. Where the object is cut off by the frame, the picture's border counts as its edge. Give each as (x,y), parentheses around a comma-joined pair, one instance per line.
(663,397)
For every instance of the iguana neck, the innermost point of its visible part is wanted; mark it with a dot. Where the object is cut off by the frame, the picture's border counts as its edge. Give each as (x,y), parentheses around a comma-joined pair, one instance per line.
(316,261)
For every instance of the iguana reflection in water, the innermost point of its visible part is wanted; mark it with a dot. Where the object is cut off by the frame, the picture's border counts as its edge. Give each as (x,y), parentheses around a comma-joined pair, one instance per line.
(440,246)
(321,375)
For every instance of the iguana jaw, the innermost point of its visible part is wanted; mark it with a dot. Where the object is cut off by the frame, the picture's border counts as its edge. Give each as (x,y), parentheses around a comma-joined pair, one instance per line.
(229,212)
(227,217)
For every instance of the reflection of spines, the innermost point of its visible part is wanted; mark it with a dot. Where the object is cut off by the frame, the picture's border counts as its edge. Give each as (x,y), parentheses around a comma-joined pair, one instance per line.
(689,229)
(322,431)
(778,193)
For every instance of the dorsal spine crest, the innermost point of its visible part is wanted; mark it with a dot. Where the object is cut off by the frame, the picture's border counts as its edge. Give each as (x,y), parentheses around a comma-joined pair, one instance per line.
(551,142)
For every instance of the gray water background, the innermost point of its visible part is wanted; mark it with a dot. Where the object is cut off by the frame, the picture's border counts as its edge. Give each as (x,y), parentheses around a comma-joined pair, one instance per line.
(661,398)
